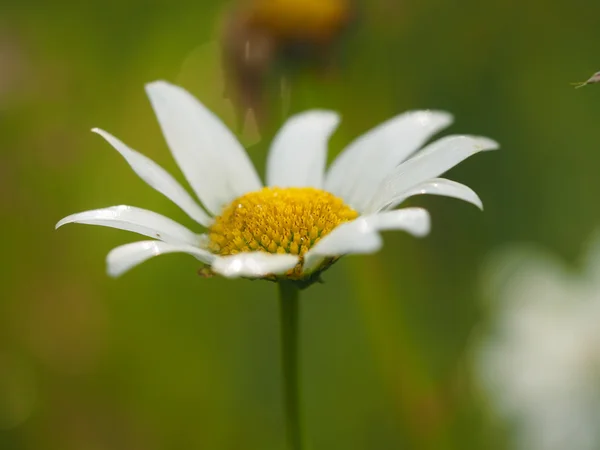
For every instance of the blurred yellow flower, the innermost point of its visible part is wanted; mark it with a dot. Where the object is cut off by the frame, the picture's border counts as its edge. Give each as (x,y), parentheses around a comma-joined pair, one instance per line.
(263,41)
(297,19)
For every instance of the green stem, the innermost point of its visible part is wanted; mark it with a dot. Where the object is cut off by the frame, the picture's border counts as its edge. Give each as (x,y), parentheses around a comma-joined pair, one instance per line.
(289,309)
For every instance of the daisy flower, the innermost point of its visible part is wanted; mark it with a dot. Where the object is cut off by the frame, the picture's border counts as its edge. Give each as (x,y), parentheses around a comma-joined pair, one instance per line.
(305,217)
(539,361)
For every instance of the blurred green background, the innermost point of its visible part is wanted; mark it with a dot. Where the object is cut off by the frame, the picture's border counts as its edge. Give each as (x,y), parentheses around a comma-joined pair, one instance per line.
(163,359)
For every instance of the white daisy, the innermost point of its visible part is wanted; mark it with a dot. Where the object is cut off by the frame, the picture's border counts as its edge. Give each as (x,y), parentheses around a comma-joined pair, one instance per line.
(540,364)
(306,217)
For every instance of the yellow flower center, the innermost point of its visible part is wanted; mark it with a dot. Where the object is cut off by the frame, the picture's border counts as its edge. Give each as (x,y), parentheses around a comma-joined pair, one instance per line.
(278,220)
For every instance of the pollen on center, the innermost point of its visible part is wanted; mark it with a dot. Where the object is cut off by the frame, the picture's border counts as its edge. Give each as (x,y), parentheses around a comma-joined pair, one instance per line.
(278,220)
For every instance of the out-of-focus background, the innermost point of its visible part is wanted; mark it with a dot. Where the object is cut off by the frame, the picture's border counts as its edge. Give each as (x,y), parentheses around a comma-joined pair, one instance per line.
(163,359)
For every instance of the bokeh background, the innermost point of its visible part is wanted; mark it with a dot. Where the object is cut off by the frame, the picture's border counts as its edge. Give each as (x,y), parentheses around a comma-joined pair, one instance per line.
(163,359)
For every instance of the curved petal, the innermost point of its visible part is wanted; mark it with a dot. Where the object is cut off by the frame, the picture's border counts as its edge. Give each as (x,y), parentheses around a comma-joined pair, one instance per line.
(435,186)
(299,150)
(430,162)
(211,158)
(356,173)
(253,264)
(158,178)
(138,220)
(362,235)
(357,237)
(415,221)
(121,259)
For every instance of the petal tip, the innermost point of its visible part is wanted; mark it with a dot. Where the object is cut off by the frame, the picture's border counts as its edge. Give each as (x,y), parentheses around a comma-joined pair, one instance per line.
(486,144)
(433,117)
(114,270)
(106,135)
(329,118)
(474,200)
(158,84)
(61,222)
(444,117)
(113,273)
(425,228)
(328,114)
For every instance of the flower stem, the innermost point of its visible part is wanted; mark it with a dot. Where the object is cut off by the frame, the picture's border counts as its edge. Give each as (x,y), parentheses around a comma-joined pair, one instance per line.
(289,310)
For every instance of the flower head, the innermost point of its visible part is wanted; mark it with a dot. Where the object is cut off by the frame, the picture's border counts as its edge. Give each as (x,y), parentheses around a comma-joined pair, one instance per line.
(306,217)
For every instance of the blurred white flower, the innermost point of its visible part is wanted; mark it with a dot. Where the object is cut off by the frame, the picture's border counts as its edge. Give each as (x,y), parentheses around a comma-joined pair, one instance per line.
(306,218)
(540,364)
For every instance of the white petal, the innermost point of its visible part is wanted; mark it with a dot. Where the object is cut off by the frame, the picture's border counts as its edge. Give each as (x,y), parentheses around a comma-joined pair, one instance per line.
(138,220)
(415,221)
(253,264)
(127,256)
(158,178)
(211,158)
(362,235)
(357,236)
(299,151)
(357,172)
(430,162)
(435,186)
